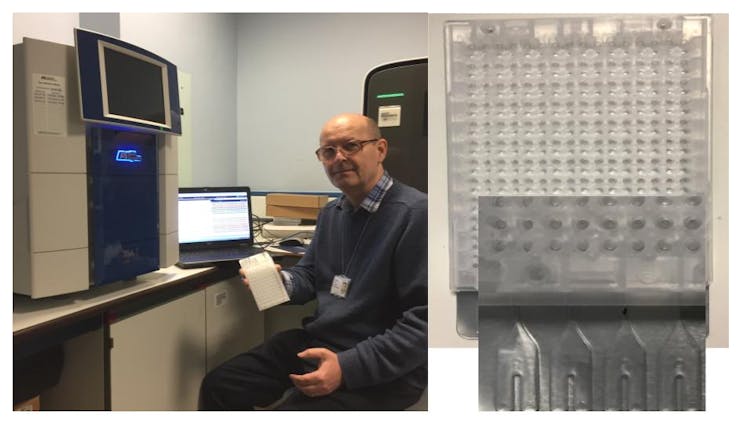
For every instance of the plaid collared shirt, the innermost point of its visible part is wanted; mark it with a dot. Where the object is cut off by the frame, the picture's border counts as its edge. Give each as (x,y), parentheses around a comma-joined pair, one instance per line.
(372,202)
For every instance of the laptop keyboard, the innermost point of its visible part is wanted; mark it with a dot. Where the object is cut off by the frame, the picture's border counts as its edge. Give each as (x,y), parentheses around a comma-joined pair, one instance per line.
(215,255)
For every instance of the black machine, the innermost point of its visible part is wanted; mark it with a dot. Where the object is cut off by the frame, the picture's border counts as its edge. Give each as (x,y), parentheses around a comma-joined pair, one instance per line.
(395,95)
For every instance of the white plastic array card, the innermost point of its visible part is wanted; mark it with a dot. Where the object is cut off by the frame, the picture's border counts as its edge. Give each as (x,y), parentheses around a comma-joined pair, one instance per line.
(593,106)
(579,205)
(264,280)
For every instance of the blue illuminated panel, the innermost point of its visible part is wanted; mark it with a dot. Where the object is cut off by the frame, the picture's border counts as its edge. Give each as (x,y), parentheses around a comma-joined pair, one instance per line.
(124,208)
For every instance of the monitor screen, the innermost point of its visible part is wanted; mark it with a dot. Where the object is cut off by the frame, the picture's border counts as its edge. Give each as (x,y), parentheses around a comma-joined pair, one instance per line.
(213,216)
(123,85)
(135,86)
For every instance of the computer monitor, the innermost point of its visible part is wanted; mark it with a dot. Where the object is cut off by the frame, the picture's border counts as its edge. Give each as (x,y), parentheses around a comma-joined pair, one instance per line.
(125,85)
(214,216)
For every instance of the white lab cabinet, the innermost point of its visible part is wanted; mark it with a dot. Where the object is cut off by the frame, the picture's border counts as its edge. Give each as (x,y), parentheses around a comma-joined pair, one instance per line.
(157,359)
(160,355)
(234,324)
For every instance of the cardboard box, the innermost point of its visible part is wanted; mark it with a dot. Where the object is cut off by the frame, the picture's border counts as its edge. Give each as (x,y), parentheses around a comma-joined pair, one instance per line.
(28,405)
(303,206)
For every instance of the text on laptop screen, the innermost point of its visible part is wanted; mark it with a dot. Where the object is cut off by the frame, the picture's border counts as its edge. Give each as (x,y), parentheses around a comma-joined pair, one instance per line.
(207,217)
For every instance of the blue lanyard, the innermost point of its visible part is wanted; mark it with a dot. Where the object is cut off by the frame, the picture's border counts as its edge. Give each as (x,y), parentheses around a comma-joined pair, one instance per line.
(355,248)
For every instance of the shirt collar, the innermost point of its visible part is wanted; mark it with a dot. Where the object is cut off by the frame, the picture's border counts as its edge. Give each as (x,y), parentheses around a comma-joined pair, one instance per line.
(374,198)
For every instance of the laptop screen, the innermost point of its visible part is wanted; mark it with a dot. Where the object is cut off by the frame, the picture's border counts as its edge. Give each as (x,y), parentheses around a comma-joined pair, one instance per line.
(214,215)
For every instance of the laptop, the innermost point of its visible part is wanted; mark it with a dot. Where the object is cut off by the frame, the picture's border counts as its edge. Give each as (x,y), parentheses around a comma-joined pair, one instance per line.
(214,226)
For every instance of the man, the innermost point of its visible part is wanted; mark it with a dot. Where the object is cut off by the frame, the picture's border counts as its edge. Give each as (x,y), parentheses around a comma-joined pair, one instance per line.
(365,348)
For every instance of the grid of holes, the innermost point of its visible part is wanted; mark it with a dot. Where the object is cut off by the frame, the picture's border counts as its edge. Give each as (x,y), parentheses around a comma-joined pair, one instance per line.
(614,226)
(575,115)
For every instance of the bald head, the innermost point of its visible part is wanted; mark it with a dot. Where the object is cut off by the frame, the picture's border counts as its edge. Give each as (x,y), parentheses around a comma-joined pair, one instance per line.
(360,126)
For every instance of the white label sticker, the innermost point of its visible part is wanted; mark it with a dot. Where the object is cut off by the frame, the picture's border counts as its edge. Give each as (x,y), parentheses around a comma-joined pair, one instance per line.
(389,116)
(340,285)
(48,105)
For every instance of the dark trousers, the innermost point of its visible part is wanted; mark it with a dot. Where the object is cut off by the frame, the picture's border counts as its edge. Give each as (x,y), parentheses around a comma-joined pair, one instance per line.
(260,376)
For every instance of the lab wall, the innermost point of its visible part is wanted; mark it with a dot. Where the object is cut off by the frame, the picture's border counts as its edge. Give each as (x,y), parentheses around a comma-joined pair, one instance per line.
(297,70)
(55,27)
(202,45)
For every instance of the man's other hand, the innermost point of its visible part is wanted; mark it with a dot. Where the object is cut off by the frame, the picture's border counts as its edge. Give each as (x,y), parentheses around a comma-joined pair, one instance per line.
(325,380)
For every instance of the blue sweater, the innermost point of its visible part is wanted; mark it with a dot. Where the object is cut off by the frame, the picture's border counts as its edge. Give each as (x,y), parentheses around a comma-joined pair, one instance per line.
(379,330)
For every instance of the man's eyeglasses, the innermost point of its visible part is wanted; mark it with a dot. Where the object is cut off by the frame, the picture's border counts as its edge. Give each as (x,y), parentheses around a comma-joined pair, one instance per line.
(349,148)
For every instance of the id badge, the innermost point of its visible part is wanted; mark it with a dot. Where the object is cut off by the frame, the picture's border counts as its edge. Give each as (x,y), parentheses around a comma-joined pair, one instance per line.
(339,286)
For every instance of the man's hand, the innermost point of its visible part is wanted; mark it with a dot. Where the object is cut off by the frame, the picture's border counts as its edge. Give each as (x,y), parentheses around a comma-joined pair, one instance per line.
(246,280)
(325,380)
